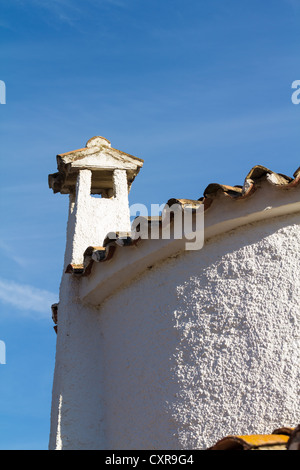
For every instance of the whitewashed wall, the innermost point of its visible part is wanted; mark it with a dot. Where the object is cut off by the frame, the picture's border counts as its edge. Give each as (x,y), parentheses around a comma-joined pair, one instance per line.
(92,219)
(201,346)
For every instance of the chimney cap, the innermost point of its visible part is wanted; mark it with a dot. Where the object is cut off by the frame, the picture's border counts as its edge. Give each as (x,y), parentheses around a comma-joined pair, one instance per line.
(99,157)
(98,142)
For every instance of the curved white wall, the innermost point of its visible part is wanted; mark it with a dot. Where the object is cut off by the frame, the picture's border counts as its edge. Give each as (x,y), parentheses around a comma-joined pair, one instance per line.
(203,345)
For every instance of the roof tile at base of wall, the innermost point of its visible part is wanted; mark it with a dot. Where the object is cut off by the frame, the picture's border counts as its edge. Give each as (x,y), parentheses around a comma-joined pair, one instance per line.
(280,439)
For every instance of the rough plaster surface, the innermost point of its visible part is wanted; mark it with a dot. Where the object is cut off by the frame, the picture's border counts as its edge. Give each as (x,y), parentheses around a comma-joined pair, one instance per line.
(201,346)
(91,219)
(78,369)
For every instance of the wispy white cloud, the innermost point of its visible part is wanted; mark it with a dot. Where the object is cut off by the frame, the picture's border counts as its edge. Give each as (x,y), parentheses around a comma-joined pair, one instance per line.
(11,254)
(28,300)
(64,10)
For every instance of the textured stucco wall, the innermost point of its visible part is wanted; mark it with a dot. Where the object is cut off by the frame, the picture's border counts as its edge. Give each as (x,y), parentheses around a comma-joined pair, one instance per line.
(78,369)
(77,402)
(201,346)
(91,219)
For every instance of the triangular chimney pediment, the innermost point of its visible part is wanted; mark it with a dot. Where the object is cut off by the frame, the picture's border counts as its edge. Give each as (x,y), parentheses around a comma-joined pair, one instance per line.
(99,157)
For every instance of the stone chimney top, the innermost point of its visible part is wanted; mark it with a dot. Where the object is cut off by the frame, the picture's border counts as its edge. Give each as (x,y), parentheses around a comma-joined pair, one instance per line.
(98,142)
(100,158)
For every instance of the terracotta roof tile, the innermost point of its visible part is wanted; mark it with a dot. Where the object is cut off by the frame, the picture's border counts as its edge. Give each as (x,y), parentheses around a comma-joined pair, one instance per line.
(284,430)
(294,440)
(75,269)
(54,309)
(100,254)
(251,442)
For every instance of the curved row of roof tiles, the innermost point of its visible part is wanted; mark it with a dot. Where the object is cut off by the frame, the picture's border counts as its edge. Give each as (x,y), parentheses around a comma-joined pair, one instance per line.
(251,184)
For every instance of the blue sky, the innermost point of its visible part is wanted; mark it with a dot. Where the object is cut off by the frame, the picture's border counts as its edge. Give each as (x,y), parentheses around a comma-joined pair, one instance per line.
(201,90)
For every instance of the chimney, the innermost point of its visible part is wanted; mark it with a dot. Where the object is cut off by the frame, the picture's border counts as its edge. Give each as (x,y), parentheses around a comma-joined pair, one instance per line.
(98,179)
